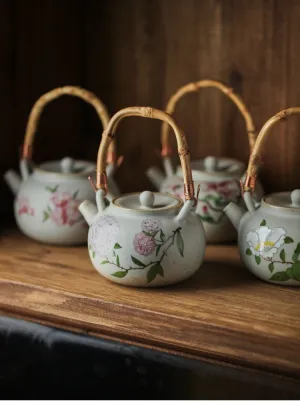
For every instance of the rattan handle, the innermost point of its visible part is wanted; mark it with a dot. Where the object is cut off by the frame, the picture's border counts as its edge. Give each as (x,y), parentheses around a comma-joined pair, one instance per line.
(109,133)
(48,97)
(255,156)
(194,87)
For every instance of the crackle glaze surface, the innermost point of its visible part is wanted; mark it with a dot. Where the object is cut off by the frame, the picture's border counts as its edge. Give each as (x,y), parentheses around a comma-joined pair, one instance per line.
(269,245)
(145,249)
(46,208)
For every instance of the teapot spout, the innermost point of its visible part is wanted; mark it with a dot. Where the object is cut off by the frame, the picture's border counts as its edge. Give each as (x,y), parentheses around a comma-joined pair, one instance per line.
(88,210)
(185,210)
(156,176)
(234,213)
(13,181)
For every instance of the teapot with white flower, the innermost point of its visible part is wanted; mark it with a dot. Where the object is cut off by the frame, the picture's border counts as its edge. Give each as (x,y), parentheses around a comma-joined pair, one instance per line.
(47,196)
(269,236)
(219,177)
(146,239)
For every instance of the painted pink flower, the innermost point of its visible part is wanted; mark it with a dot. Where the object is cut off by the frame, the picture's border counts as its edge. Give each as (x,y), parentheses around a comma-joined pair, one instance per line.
(72,212)
(60,200)
(59,216)
(205,209)
(143,244)
(151,226)
(24,208)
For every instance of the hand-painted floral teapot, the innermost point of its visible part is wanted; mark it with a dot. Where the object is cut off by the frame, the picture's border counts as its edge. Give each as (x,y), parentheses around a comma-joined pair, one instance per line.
(47,197)
(219,177)
(147,239)
(269,236)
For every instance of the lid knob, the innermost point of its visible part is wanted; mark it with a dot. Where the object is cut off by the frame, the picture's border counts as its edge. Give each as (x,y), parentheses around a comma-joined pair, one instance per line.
(295,197)
(67,165)
(147,199)
(210,163)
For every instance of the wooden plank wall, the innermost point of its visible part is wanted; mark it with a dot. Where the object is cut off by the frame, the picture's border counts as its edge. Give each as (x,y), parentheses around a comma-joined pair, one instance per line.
(138,52)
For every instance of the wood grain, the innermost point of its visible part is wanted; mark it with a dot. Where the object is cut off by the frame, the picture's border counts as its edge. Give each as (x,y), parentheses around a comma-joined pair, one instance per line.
(223,313)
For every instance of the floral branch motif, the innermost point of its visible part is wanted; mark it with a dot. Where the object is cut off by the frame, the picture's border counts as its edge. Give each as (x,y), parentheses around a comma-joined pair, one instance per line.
(63,209)
(264,244)
(145,243)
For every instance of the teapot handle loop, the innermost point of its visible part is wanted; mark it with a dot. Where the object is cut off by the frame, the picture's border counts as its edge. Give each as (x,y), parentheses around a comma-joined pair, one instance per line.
(255,157)
(48,97)
(109,133)
(194,87)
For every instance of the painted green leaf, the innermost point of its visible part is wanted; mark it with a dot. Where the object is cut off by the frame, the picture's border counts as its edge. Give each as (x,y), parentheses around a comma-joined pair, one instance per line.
(52,189)
(179,243)
(271,267)
(290,273)
(120,274)
(288,240)
(105,262)
(93,254)
(248,251)
(263,222)
(162,235)
(137,262)
(158,249)
(257,259)
(295,257)
(297,249)
(147,233)
(46,216)
(117,245)
(153,271)
(207,218)
(118,261)
(75,194)
(282,255)
(280,277)
(296,270)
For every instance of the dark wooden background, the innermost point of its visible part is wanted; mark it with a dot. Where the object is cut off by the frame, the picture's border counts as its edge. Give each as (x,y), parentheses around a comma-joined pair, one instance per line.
(138,52)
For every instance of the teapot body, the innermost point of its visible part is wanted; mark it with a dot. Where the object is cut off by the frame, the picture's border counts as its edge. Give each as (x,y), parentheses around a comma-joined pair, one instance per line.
(145,250)
(46,207)
(269,244)
(217,191)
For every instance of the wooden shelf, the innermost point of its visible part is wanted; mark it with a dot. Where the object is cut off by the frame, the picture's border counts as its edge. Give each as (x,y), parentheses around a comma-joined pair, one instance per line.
(223,313)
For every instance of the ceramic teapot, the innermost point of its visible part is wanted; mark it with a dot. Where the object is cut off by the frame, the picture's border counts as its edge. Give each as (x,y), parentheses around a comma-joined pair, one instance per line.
(47,196)
(269,236)
(219,177)
(146,239)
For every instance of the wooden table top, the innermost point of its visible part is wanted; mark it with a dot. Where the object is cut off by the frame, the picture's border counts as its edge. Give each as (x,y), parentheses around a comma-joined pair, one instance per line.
(223,313)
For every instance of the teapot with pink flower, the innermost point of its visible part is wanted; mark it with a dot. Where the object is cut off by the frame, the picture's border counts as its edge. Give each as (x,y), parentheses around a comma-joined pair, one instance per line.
(47,196)
(219,177)
(146,239)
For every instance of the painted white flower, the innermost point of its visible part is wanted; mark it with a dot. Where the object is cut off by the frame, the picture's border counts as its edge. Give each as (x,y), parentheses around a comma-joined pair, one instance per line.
(264,241)
(103,234)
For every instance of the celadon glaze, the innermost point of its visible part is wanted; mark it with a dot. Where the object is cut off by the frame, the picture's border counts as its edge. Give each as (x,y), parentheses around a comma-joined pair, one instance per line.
(144,240)
(269,237)
(47,199)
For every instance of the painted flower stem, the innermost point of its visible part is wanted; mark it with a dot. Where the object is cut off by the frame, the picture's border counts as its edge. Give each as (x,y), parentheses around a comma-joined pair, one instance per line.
(164,253)
(276,261)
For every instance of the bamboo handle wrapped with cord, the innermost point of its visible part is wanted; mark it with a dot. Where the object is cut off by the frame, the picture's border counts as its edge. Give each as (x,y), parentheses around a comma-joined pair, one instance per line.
(194,87)
(148,112)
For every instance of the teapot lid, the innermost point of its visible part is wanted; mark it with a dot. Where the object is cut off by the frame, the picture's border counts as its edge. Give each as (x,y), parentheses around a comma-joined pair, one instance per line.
(148,202)
(67,166)
(216,166)
(288,199)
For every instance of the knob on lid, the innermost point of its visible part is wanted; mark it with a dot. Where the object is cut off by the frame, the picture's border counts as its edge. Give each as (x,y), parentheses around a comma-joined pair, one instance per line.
(147,201)
(284,199)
